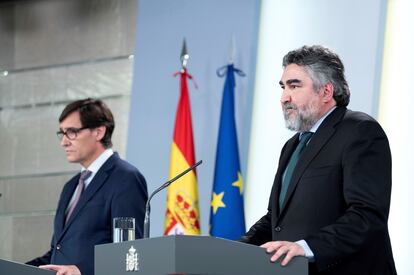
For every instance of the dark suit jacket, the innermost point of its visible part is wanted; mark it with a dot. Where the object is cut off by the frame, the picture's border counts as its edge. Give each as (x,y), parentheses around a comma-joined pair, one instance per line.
(339,197)
(117,190)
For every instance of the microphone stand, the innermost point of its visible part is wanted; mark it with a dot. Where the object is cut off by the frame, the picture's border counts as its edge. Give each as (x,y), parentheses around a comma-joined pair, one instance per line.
(165,185)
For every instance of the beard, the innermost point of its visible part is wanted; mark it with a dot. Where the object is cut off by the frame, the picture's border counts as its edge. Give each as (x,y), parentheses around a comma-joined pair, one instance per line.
(300,119)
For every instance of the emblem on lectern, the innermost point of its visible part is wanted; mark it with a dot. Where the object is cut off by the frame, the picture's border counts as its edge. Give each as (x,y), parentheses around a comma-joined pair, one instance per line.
(132,260)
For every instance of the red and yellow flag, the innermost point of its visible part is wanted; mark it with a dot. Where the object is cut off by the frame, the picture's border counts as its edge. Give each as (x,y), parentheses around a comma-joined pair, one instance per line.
(183,216)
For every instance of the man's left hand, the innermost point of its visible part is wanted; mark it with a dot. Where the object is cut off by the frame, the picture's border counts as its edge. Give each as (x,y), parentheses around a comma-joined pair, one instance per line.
(279,248)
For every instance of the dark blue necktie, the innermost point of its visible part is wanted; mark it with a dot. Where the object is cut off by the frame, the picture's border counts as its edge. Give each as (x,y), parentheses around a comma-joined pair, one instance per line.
(291,166)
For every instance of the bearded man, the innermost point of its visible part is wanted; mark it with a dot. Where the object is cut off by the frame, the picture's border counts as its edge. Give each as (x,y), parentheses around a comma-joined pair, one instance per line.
(331,194)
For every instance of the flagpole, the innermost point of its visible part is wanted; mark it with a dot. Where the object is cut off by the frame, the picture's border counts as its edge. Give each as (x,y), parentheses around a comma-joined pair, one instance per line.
(183,215)
(232,49)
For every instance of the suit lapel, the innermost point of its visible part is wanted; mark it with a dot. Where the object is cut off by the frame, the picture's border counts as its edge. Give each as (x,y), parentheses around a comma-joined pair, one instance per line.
(284,159)
(96,183)
(319,139)
(65,199)
(290,147)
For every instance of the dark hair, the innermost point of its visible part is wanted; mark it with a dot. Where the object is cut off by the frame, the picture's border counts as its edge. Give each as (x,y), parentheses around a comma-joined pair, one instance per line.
(93,113)
(323,66)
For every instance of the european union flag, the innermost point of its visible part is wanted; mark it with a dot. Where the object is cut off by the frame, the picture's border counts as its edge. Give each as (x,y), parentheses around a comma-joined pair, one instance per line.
(227,211)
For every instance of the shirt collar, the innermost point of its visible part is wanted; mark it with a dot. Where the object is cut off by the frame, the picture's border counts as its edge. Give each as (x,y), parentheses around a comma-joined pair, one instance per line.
(97,164)
(319,122)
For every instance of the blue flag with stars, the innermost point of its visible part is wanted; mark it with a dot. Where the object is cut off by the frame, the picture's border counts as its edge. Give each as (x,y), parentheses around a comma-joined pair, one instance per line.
(227,211)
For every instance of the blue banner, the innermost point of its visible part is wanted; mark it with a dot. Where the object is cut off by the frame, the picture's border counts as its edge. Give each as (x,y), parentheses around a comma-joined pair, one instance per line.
(227,210)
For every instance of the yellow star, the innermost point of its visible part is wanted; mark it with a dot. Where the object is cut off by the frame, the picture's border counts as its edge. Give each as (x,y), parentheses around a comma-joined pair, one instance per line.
(217,201)
(239,182)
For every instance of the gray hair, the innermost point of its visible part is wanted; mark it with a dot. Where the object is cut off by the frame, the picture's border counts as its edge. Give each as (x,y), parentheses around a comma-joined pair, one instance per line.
(323,66)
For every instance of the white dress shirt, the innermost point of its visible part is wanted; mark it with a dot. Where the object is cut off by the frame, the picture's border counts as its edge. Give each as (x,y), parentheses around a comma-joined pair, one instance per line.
(94,168)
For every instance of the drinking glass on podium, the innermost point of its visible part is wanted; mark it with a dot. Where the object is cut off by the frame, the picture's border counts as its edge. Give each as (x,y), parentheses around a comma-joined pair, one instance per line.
(123,229)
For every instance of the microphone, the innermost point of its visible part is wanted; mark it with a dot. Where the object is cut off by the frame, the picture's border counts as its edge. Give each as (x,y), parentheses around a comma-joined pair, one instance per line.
(148,206)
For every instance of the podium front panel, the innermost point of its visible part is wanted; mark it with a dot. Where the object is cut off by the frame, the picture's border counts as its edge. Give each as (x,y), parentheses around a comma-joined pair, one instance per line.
(196,255)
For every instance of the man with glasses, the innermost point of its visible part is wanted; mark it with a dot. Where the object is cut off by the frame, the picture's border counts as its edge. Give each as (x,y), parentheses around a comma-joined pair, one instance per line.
(106,187)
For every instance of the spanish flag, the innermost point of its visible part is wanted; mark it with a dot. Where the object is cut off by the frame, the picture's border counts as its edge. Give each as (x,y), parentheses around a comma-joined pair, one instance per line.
(182,217)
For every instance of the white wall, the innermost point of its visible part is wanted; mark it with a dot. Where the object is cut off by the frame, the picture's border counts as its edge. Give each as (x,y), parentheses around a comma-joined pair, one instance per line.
(396,117)
(356,34)
(355,30)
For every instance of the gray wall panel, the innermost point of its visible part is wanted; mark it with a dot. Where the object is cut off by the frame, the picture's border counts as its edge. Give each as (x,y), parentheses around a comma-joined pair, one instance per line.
(55,51)
(6,37)
(60,84)
(43,196)
(6,237)
(60,31)
(31,236)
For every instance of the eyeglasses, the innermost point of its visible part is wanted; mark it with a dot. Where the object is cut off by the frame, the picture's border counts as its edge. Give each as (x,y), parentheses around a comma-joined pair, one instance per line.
(70,133)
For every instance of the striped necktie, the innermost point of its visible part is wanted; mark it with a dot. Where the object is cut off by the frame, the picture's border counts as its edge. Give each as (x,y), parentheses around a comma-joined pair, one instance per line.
(287,176)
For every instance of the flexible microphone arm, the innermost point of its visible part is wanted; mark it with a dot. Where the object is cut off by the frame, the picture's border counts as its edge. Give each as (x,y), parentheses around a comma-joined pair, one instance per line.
(148,206)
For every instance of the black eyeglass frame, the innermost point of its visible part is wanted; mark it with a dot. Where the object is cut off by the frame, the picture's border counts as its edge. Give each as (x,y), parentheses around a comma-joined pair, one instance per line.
(70,133)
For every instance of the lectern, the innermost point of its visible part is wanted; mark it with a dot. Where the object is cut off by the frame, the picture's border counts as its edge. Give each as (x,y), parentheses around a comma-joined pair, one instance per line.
(197,255)
(14,268)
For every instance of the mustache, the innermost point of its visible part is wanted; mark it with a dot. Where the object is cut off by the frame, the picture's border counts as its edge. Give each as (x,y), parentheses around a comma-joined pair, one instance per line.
(289,106)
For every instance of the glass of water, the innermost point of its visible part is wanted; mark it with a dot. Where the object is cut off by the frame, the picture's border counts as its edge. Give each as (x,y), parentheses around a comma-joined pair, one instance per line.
(123,229)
